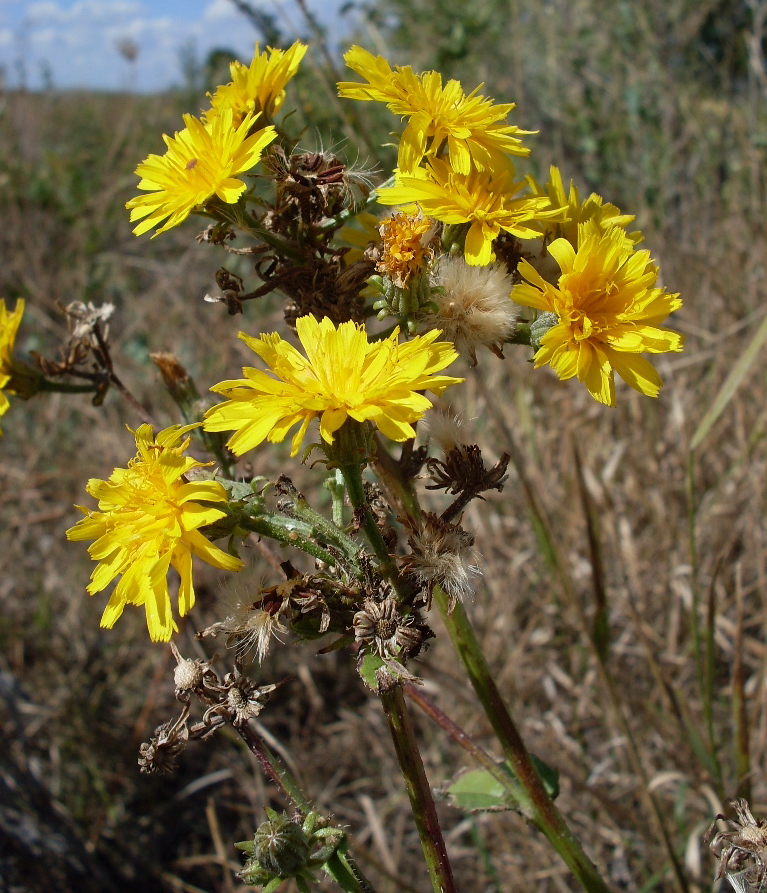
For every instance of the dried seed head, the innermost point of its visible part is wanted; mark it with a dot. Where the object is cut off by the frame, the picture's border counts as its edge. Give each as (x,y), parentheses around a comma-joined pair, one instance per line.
(380,627)
(187,675)
(190,675)
(444,428)
(443,554)
(250,622)
(160,754)
(464,470)
(474,309)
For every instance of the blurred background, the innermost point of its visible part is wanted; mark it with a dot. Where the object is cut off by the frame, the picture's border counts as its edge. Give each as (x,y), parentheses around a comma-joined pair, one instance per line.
(658,106)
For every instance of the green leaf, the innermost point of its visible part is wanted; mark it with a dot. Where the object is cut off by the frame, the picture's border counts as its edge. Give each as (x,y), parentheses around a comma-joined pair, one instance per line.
(368,667)
(477,790)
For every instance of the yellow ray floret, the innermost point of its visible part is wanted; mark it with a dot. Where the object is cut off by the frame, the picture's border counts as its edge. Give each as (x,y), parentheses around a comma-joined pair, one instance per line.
(575,212)
(148,520)
(489,203)
(202,160)
(260,86)
(608,312)
(9,326)
(470,126)
(342,375)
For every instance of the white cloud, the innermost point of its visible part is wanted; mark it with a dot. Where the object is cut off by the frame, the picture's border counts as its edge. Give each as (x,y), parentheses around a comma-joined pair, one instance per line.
(220,9)
(89,13)
(77,43)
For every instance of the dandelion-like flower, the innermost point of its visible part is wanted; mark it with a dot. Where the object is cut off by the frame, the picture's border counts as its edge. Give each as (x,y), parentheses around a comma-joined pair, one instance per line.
(9,326)
(342,375)
(149,518)
(607,310)
(602,214)
(260,86)
(202,160)
(473,306)
(405,246)
(490,203)
(470,125)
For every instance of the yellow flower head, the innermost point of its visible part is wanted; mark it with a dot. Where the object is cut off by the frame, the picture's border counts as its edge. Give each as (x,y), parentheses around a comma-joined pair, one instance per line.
(607,310)
(260,86)
(342,376)
(9,326)
(471,126)
(575,212)
(404,249)
(148,519)
(202,160)
(489,203)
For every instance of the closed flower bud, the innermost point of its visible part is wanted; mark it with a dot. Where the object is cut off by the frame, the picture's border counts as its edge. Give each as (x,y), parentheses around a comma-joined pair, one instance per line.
(279,846)
(540,326)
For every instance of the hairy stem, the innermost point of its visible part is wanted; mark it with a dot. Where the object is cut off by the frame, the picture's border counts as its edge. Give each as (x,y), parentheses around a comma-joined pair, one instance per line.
(534,799)
(419,792)
(274,768)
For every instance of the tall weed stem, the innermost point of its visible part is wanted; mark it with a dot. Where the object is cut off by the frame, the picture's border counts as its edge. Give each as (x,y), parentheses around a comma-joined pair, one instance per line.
(535,801)
(418,790)
(348,453)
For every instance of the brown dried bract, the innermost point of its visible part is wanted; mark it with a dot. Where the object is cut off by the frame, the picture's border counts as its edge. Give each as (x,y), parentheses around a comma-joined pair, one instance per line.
(742,852)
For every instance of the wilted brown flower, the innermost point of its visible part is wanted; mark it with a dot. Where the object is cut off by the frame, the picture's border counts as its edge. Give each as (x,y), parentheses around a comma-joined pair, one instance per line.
(381,627)
(442,554)
(159,755)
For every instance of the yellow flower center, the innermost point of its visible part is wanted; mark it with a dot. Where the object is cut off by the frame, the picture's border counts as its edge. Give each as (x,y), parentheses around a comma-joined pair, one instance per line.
(404,251)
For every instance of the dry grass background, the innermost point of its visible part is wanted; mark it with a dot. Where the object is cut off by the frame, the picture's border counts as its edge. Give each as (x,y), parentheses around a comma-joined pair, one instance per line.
(78,700)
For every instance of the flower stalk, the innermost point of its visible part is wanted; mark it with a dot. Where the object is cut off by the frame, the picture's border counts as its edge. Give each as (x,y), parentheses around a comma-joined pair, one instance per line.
(348,453)
(534,800)
(343,869)
(419,792)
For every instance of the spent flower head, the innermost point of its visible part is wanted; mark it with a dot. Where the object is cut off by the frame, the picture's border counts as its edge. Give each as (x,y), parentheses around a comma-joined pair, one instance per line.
(490,203)
(341,376)
(473,306)
(471,127)
(203,160)
(9,326)
(442,554)
(258,87)
(607,312)
(149,518)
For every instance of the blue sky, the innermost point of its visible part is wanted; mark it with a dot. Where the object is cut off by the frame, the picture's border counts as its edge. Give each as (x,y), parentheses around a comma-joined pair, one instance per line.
(75,41)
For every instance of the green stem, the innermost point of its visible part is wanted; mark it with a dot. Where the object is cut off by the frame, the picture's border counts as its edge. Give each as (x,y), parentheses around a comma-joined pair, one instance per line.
(323,530)
(274,768)
(534,800)
(348,454)
(333,223)
(460,737)
(335,486)
(290,531)
(342,868)
(61,387)
(419,792)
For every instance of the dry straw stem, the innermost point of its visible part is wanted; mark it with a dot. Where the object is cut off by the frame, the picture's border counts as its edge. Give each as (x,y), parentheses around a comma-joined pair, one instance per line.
(551,549)
(731,384)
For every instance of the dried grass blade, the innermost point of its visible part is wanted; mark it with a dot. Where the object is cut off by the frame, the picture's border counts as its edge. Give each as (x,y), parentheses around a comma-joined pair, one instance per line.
(730,386)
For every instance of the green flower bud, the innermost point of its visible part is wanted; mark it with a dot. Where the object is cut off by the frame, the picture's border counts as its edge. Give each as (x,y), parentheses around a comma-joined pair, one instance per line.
(540,326)
(280,846)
